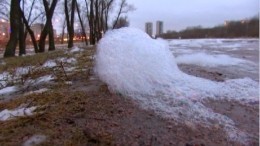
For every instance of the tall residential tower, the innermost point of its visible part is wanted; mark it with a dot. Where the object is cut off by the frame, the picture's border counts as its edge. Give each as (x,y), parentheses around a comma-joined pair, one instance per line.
(149,28)
(159,28)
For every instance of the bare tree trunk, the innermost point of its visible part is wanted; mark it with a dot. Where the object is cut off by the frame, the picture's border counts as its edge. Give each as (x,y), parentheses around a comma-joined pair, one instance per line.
(22,45)
(96,22)
(14,23)
(47,26)
(51,38)
(36,50)
(82,26)
(91,23)
(70,21)
(21,38)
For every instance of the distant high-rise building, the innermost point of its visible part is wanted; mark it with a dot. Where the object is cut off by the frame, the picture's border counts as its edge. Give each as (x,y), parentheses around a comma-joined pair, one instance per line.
(149,28)
(159,28)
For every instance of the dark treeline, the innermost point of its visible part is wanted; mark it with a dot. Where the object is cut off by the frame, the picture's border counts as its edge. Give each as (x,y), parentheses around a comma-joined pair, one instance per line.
(94,15)
(231,29)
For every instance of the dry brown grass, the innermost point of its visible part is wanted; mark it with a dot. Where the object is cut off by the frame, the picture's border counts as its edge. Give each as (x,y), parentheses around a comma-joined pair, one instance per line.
(57,107)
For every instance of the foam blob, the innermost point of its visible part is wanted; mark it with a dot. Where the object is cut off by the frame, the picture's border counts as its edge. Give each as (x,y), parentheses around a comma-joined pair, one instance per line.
(144,69)
(130,61)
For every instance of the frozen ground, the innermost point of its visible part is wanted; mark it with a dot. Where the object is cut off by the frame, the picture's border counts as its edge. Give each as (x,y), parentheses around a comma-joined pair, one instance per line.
(235,57)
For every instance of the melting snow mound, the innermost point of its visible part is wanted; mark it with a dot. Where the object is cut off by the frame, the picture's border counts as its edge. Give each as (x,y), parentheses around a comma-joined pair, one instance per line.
(144,69)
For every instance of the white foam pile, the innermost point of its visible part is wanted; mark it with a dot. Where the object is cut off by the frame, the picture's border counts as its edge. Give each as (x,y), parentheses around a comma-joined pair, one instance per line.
(132,63)
(203,59)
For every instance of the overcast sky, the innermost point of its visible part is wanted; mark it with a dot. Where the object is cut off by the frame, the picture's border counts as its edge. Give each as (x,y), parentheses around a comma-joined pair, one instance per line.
(179,14)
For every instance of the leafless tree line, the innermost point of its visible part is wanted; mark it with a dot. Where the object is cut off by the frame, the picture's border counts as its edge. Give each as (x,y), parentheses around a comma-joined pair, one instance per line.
(98,15)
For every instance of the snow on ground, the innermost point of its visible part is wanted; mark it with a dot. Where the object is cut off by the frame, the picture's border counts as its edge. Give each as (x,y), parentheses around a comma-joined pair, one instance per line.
(4,78)
(40,80)
(203,59)
(8,90)
(50,64)
(212,43)
(35,140)
(23,70)
(44,79)
(76,49)
(135,65)
(20,112)
(68,60)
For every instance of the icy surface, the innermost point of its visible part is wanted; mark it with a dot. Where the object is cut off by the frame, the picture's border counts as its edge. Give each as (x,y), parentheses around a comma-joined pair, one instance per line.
(35,140)
(10,114)
(8,90)
(220,44)
(132,63)
(203,59)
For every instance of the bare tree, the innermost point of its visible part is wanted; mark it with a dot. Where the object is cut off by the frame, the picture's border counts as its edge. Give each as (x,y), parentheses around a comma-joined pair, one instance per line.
(124,7)
(48,25)
(122,22)
(83,31)
(70,20)
(14,23)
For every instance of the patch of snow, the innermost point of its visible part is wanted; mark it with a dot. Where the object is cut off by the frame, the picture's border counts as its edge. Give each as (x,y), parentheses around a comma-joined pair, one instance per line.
(50,64)
(8,90)
(68,60)
(35,140)
(76,49)
(71,61)
(23,70)
(203,59)
(4,78)
(144,69)
(44,79)
(11,114)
